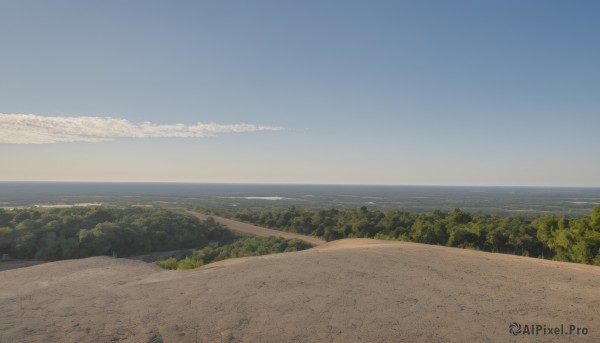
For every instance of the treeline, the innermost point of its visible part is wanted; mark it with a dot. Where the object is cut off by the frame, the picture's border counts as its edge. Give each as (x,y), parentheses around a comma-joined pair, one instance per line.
(551,237)
(55,234)
(252,246)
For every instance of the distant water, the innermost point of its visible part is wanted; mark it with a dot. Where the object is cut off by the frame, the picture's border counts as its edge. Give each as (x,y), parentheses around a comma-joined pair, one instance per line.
(501,200)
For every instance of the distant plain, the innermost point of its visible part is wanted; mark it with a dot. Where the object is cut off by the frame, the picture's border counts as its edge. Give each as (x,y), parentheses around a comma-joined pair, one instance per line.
(487,200)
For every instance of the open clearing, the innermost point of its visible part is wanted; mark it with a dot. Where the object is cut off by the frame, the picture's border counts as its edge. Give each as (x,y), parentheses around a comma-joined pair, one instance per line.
(257,230)
(354,290)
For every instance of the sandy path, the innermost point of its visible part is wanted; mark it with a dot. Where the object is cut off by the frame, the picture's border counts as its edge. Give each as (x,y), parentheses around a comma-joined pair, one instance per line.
(355,290)
(257,230)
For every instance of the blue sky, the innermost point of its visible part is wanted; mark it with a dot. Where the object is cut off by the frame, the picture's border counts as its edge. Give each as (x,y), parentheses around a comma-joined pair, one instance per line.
(377,92)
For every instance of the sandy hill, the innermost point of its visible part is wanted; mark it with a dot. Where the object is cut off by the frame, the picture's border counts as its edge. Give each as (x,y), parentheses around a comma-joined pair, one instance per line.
(355,290)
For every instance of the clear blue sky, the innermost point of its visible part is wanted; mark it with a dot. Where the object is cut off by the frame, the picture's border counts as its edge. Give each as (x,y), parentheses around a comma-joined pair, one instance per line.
(368,92)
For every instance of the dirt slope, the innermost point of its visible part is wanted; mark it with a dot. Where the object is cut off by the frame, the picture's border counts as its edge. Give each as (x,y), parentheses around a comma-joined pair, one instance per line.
(346,291)
(257,230)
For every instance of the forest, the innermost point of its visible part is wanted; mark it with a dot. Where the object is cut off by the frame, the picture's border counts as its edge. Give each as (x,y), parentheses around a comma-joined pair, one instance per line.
(249,246)
(553,237)
(56,234)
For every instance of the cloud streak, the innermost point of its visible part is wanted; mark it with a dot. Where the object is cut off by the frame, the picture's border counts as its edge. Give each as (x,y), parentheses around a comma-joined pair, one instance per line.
(36,129)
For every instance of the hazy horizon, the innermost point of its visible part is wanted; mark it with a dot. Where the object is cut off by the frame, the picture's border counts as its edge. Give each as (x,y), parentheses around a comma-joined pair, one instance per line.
(490,200)
(299,184)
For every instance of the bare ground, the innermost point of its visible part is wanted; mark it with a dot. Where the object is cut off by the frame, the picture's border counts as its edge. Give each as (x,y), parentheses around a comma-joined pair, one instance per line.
(257,230)
(354,290)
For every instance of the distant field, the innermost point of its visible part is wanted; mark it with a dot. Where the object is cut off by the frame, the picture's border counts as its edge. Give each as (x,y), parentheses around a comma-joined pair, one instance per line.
(497,200)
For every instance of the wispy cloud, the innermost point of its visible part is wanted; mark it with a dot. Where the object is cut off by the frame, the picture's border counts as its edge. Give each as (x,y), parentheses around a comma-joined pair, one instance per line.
(36,129)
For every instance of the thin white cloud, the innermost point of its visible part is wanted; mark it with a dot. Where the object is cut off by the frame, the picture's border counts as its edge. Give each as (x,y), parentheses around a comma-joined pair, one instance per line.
(35,129)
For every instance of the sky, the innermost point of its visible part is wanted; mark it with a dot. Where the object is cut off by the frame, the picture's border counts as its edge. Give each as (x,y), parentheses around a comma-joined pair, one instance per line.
(500,93)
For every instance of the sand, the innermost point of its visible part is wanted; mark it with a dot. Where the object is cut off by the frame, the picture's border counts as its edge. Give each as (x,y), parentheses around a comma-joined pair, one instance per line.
(354,290)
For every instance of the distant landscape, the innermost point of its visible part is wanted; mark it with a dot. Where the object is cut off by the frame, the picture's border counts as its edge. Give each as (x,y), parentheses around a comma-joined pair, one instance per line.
(123,220)
(572,202)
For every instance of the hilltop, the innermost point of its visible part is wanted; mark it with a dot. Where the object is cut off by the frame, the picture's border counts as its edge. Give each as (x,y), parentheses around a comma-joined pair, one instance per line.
(352,290)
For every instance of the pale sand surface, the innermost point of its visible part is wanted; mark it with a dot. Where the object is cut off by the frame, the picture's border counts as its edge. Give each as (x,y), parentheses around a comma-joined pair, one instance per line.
(257,230)
(355,290)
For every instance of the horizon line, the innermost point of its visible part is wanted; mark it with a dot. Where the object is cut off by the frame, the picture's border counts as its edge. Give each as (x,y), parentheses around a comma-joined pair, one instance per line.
(295,183)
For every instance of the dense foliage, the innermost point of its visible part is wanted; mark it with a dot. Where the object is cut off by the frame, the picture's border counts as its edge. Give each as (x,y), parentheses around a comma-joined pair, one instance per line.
(54,234)
(252,246)
(552,237)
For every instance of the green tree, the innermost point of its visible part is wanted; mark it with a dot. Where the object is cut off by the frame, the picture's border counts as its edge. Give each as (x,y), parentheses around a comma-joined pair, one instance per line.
(23,246)
(463,238)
